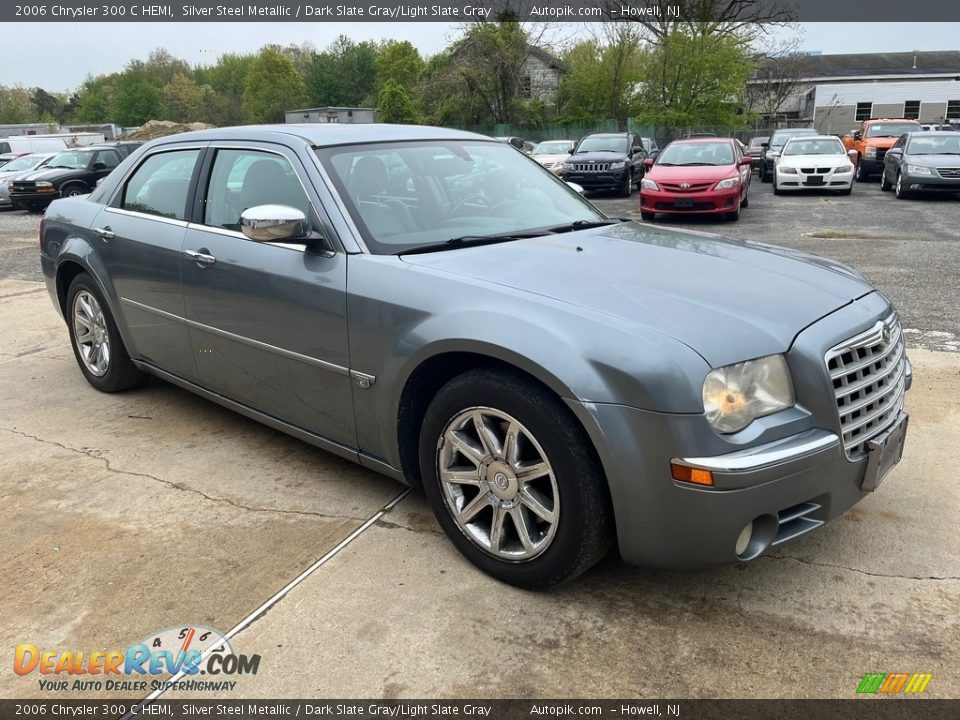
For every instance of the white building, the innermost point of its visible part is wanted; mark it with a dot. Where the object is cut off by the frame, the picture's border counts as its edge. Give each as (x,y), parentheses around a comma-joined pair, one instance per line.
(839,108)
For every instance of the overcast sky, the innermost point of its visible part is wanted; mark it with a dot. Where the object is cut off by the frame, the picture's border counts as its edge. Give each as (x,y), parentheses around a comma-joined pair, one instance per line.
(59,56)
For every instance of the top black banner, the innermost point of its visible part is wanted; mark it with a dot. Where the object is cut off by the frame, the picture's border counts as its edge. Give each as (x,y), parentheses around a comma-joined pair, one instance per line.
(862,12)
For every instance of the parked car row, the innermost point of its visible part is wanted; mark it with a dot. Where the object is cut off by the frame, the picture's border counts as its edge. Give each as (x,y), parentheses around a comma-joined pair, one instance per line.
(32,181)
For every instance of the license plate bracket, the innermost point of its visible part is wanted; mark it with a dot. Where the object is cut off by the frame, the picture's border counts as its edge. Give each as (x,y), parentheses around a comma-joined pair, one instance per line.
(814,180)
(884,452)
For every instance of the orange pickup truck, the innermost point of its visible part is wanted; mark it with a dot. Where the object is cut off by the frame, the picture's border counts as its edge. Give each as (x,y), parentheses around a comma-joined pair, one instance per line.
(872,141)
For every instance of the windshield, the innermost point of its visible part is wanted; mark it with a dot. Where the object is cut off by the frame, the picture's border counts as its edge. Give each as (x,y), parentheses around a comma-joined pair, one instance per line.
(411,194)
(931,145)
(891,129)
(698,153)
(779,138)
(603,143)
(819,146)
(553,147)
(72,159)
(27,162)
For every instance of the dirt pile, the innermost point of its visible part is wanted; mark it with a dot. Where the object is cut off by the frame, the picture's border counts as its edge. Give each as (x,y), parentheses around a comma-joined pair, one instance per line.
(161,128)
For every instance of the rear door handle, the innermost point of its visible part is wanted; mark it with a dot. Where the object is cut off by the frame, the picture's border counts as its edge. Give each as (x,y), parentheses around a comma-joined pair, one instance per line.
(199,257)
(105,232)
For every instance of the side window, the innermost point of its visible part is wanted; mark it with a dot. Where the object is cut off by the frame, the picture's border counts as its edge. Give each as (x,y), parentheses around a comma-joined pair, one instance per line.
(109,158)
(242,179)
(160,185)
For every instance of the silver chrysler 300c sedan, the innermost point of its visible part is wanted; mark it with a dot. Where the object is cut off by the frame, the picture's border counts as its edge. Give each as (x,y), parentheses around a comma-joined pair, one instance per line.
(436,306)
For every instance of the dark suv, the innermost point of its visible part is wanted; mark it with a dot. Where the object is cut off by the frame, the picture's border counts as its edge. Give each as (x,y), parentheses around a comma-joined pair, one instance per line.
(771,149)
(606,161)
(70,173)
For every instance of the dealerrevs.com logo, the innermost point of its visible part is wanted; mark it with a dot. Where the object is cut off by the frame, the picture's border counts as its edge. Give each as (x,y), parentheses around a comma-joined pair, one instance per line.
(190,651)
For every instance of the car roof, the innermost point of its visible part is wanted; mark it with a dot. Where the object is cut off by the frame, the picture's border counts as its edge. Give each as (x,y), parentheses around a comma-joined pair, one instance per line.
(701,140)
(323,134)
(783,130)
(623,134)
(814,137)
(928,133)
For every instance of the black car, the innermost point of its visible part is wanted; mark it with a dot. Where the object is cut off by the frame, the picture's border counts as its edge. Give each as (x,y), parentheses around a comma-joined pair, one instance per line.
(755,150)
(124,147)
(922,162)
(70,173)
(771,150)
(607,161)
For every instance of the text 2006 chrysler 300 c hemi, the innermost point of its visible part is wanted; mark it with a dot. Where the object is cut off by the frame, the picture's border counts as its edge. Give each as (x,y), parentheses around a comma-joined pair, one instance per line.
(436,306)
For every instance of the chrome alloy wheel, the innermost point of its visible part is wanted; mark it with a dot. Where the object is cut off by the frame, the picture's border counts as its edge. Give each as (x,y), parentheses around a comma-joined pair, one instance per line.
(90,333)
(498,484)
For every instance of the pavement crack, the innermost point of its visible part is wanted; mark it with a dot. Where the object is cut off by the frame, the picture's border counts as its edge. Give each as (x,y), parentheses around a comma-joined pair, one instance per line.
(93,455)
(862,572)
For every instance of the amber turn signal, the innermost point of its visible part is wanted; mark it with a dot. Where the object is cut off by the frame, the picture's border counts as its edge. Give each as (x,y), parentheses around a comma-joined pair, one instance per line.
(685,473)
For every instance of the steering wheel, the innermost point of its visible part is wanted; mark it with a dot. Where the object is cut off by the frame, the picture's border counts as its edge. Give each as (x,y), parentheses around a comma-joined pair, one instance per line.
(472,196)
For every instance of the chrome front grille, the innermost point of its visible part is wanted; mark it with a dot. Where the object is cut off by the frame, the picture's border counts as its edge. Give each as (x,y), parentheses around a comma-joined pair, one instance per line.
(869,379)
(949,172)
(589,167)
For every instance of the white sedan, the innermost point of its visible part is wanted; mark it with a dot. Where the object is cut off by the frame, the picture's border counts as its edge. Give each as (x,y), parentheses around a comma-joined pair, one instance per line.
(813,162)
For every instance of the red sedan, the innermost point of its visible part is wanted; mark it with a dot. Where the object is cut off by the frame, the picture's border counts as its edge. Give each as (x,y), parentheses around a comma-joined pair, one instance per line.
(704,176)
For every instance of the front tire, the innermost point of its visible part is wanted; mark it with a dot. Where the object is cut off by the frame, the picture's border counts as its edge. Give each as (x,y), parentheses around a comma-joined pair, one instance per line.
(860,175)
(884,183)
(513,480)
(764,175)
(72,191)
(647,216)
(627,186)
(96,342)
(899,190)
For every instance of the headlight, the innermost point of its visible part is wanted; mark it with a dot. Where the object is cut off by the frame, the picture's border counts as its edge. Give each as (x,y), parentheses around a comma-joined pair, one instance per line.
(736,395)
(786,170)
(870,152)
(726,184)
(618,165)
(44,183)
(918,170)
(844,169)
(646,184)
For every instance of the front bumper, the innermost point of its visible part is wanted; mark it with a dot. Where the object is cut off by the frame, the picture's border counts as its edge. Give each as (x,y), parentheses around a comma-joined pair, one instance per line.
(807,181)
(929,183)
(787,476)
(709,202)
(597,181)
(34,198)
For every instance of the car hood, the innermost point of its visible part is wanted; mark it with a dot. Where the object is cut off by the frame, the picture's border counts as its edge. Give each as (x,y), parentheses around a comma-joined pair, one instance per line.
(814,160)
(50,174)
(925,160)
(729,300)
(881,142)
(694,173)
(550,158)
(597,157)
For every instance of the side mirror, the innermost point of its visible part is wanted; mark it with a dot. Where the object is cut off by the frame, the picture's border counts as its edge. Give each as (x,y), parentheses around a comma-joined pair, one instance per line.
(576,188)
(648,162)
(852,154)
(895,151)
(764,146)
(273,223)
(570,151)
(746,160)
(99,166)
(857,135)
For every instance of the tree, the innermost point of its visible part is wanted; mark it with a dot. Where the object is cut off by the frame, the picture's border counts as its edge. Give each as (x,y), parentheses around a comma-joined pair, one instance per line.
(345,74)
(398,61)
(15,105)
(692,80)
(603,77)
(272,86)
(136,96)
(45,104)
(394,105)
(95,102)
(228,78)
(185,101)
(776,78)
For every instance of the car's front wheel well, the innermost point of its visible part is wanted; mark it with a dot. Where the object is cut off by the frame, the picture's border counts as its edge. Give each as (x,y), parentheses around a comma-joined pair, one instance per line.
(423,385)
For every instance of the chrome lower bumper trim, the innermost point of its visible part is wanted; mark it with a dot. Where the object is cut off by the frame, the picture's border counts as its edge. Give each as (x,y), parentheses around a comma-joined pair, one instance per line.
(771,454)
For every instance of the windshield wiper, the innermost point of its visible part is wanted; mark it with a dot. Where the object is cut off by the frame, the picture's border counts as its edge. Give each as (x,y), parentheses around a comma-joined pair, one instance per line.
(584,225)
(696,164)
(467,241)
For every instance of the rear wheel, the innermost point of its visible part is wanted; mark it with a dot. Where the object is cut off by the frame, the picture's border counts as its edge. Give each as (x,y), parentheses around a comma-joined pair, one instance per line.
(513,480)
(96,342)
(72,191)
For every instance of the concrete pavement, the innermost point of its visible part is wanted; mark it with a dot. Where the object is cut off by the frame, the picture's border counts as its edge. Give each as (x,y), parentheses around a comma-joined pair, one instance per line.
(124,514)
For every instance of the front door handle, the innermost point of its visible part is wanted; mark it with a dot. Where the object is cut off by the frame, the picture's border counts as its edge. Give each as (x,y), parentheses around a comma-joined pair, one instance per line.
(105,232)
(199,257)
